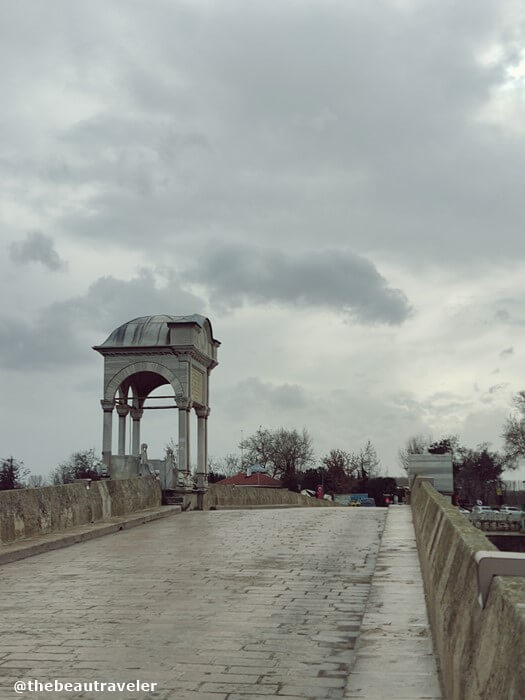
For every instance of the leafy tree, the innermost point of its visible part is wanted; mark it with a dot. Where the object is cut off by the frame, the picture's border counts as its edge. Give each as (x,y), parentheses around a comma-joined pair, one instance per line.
(12,474)
(311,478)
(283,452)
(81,465)
(447,444)
(339,468)
(291,480)
(514,429)
(477,473)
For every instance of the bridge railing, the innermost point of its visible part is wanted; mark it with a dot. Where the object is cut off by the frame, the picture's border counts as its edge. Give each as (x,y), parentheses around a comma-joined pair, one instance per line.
(481,650)
(32,512)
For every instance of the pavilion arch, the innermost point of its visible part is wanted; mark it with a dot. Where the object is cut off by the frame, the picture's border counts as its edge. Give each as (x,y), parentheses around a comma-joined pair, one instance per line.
(138,367)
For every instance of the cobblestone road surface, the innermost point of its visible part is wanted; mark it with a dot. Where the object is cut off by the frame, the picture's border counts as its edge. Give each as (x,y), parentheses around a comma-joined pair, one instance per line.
(212,605)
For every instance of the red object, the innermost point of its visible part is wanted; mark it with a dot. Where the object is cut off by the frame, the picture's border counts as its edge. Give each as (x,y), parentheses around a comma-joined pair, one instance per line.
(320,493)
(387,500)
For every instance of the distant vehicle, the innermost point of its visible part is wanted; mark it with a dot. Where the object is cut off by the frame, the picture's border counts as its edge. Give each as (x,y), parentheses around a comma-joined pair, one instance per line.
(485,518)
(482,509)
(509,509)
(368,503)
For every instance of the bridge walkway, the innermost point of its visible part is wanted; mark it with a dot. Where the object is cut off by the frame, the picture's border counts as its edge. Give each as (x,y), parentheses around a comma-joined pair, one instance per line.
(225,605)
(394,654)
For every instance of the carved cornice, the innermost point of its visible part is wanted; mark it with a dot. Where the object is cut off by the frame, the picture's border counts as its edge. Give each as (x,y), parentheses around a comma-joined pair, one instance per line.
(136,413)
(156,350)
(107,405)
(151,351)
(122,409)
(203,412)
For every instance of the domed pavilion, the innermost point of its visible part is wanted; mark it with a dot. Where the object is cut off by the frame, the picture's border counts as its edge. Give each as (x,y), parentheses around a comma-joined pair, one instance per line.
(142,355)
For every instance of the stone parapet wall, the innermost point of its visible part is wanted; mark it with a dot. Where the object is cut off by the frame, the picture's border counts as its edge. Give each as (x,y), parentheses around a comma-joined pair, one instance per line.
(481,651)
(218,495)
(31,512)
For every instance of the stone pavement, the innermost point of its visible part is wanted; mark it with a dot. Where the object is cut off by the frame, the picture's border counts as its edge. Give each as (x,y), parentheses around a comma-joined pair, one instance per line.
(394,655)
(28,547)
(210,605)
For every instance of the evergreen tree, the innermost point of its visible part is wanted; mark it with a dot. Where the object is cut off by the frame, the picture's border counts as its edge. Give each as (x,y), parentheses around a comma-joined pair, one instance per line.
(12,474)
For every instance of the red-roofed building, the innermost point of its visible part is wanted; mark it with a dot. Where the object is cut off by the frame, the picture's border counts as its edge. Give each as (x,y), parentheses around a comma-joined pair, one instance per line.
(255,479)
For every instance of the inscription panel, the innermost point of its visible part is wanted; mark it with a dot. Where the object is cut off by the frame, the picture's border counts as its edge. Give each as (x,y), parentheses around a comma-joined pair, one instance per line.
(197,386)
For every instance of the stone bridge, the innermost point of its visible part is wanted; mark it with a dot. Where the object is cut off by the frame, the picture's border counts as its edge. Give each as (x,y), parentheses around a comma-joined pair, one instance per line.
(231,605)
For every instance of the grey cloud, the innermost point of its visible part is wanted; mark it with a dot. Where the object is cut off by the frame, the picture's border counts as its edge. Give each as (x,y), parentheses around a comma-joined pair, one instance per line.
(291,126)
(282,396)
(431,410)
(509,311)
(497,387)
(340,281)
(502,315)
(62,333)
(507,352)
(37,247)
(274,117)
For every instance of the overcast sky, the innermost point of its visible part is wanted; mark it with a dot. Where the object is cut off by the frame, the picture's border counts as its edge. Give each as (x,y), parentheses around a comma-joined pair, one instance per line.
(337,184)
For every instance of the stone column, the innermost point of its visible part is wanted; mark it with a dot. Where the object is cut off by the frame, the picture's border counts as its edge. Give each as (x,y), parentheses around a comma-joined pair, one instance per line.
(107,407)
(122,410)
(136,415)
(202,447)
(184,406)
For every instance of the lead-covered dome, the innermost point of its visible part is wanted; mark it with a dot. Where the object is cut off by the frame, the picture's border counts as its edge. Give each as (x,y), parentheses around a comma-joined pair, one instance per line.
(150,330)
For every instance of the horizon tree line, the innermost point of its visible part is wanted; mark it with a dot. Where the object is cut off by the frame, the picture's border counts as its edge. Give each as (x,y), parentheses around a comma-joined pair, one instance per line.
(289,455)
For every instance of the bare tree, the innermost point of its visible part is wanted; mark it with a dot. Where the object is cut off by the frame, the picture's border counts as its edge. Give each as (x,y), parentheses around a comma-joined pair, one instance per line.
(36,481)
(340,461)
(415,445)
(81,465)
(283,452)
(225,466)
(171,446)
(514,429)
(366,463)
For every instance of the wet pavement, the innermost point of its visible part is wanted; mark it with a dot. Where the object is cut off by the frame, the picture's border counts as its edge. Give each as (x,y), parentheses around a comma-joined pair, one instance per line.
(225,604)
